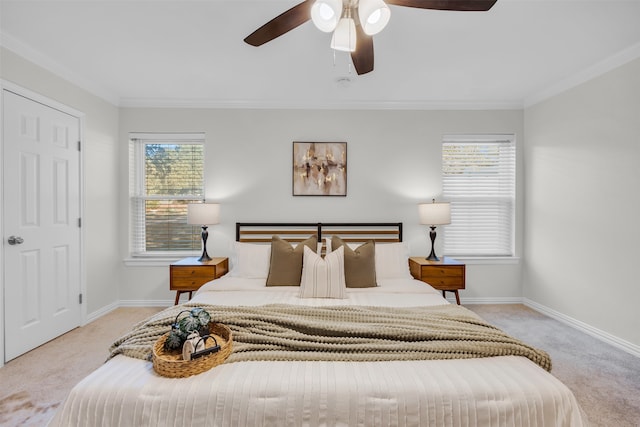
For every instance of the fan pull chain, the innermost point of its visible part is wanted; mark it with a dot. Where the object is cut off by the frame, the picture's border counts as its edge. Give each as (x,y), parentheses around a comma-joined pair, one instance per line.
(349,64)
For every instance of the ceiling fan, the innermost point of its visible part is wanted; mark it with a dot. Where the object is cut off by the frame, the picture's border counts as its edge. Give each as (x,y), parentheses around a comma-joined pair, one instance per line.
(353,22)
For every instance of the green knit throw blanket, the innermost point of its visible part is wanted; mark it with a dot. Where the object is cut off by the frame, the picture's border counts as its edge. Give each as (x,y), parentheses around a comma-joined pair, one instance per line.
(281,332)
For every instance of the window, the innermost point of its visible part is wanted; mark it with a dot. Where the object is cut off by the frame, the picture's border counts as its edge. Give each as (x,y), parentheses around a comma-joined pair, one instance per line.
(478,178)
(166,174)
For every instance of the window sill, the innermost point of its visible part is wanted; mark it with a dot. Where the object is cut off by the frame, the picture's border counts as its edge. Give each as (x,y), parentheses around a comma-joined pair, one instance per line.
(154,261)
(479,260)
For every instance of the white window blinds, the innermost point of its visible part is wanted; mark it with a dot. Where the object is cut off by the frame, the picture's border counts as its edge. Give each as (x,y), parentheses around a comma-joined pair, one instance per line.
(478,178)
(166,174)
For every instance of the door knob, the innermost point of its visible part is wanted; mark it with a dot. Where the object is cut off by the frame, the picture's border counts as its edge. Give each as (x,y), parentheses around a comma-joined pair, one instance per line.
(13,240)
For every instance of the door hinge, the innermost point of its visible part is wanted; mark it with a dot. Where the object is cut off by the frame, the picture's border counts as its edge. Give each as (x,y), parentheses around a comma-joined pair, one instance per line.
(79,298)
(79,222)
(79,145)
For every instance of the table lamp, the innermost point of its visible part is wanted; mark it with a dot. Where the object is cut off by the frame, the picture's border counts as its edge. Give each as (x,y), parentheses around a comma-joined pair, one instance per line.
(203,214)
(433,214)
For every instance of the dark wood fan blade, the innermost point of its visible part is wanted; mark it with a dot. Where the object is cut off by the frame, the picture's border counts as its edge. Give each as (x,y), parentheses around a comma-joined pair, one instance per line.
(464,5)
(281,24)
(362,57)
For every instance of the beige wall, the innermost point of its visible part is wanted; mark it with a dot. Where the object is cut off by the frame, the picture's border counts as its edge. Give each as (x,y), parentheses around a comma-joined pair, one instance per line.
(582,203)
(101,173)
(394,162)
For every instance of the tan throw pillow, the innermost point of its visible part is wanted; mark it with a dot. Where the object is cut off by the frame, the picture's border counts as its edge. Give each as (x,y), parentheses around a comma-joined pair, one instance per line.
(285,268)
(359,264)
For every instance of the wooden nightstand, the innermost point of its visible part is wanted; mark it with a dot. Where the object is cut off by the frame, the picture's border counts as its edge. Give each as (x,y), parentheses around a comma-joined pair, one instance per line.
(187,275)
(445,275)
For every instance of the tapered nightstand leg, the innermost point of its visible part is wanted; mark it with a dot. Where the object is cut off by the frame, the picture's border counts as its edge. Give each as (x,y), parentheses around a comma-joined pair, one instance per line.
(455,292)
(177,298)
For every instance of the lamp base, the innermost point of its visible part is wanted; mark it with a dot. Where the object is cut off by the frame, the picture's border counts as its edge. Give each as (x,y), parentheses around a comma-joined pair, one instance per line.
(432,235)
(205,256)
(432,257)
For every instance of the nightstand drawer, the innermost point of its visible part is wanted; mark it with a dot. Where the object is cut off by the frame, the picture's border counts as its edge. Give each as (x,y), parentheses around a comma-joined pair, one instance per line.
(449,271)
(191,278)
(438,281)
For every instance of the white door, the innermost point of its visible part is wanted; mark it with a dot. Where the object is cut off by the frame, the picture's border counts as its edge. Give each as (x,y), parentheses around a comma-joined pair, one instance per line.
(41,210)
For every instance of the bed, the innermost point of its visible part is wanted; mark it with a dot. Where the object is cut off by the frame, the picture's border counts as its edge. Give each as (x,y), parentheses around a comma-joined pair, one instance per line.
(497,390)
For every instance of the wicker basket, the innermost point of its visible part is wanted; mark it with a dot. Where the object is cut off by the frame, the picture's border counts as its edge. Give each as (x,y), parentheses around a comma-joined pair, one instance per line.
(170,363)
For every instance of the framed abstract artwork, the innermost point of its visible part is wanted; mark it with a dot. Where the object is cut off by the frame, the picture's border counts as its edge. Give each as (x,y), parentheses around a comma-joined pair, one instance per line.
(319,168)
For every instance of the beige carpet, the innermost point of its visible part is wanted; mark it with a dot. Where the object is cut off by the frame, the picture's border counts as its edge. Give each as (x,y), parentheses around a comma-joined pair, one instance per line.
(33,385)
(605,380)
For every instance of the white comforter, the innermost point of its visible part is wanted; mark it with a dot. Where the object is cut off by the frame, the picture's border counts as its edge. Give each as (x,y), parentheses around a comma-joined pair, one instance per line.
(498,391)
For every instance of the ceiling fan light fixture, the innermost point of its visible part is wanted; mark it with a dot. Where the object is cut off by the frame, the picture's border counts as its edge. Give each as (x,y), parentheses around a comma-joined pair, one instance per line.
(344,37)
(325,14)
(374,16)
(339,15)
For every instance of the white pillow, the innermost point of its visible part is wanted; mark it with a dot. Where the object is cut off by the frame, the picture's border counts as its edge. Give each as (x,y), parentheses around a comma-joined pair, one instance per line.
(392,261)
(251,261)
(323,278)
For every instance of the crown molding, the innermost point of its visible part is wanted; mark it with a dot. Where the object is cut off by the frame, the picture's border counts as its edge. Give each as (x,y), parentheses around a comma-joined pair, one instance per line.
(11,43)
(614,61)
(322,105)
(22,49)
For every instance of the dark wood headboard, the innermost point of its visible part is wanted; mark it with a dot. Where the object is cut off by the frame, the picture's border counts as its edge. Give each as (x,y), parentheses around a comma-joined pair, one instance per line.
(351,232)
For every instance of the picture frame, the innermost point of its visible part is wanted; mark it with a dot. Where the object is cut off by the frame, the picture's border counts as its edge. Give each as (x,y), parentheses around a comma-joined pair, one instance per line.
(319,169)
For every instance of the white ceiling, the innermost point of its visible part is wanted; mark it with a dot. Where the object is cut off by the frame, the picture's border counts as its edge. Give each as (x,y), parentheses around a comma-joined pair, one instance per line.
(191,53)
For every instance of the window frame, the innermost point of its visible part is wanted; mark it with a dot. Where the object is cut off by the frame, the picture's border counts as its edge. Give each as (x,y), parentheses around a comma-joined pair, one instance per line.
(138,197)
(510,229)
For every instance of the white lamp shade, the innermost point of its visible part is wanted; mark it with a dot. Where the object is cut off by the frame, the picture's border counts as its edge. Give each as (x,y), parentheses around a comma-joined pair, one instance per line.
(203,213)
(344,37)
(325,14)
(435,213)
(374,16)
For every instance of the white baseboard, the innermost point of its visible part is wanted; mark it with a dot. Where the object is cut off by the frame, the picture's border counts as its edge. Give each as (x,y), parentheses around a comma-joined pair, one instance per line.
(101,312)
(583,327)
(487,300)
(125,303)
